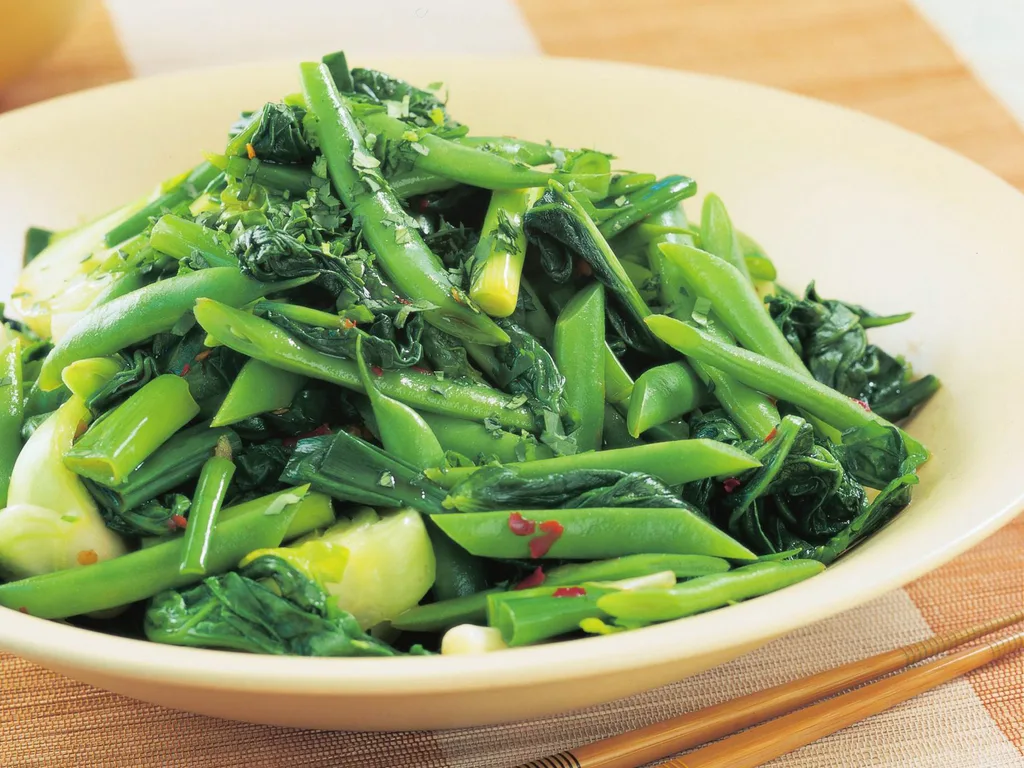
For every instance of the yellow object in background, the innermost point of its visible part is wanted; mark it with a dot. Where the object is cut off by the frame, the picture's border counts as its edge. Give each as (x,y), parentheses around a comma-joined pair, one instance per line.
(31,29)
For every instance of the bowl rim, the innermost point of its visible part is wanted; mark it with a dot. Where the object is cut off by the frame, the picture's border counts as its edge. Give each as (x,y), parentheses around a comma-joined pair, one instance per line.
(749,623)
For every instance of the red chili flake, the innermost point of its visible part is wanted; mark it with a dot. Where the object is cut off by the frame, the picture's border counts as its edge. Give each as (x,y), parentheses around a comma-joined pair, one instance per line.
(203,355)
(520,526)
(179,521)
(420,369)
(731,484)
(400,300)
(540,546)
(535,579)
(862,404)
(423,205)
(289,442)
(771,435)
(348,324)
(250,151)
(87,557)
(377,370)
(457,295)
(582,268)
(185,370)
(23,609)
(570,592)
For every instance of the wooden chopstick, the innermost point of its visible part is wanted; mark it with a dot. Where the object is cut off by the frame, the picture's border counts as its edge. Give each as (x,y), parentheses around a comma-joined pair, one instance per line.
(772,739)
(657,741)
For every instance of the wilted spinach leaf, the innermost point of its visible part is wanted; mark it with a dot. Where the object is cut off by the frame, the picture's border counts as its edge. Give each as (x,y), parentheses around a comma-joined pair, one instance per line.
(279,137)
(831,338)
(238,612)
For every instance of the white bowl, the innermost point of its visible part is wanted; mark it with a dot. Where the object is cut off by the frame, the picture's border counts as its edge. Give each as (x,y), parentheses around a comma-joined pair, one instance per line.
(875,214)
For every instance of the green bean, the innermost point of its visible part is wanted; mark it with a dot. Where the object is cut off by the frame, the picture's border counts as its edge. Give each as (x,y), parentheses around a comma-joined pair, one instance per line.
(403,432)
(384,225)
(189,188)
(258,388)
(148,311)
(644,202)
(661,394)
(117,444)
(823,402)
(473,439)
(181,239)
(500,252)
(735,302)
(674,463)
(12,413)
(755,414)
(517,150)
(262,340)
(579,349)
(179,459)
(718,236)
(457,161)
(472,609)
(707,592)
(591,534)
(87,377)
(142,574)
(211,489)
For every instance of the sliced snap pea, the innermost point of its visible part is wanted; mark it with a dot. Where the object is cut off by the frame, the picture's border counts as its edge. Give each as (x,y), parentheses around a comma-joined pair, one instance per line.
(262,340)
(718,236)
(258,388)
(768,376)
(661,394)
(591,534)
(154,309)
(579,350)
(385,226)
(735,302)
(403,432)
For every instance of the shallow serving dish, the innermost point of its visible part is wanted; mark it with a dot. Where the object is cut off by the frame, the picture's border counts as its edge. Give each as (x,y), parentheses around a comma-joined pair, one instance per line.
(875,214)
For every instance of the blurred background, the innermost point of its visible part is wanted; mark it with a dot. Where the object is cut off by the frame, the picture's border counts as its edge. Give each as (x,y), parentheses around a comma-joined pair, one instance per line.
(948,69)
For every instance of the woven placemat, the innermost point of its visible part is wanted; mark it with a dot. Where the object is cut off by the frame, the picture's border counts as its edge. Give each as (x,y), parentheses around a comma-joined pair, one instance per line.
(978,721)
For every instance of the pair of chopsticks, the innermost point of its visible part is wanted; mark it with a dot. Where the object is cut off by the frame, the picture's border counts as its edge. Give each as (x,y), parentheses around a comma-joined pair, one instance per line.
(795,719)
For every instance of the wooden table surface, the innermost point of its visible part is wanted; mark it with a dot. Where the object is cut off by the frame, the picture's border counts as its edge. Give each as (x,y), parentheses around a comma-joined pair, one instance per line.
(877,56)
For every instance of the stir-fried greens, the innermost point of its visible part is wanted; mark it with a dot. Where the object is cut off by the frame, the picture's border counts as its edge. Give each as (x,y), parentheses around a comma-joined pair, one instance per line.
(367,384)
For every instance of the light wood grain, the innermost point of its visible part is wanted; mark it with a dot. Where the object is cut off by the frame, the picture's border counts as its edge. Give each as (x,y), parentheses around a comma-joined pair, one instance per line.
(877,56)
(655,742)
(90,56)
